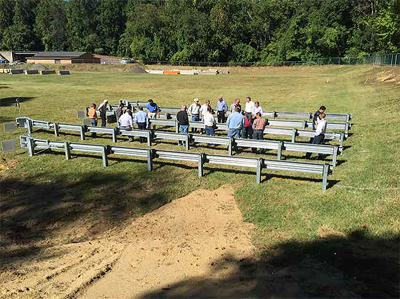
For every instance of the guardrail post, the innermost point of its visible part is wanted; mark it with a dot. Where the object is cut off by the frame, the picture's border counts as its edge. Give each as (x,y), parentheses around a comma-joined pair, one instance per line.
(259,167)
(114,134)
(294,135)
(280,150)
(274,114)
(347,117)
(67,151)
(56,129)
(346,130)
(230,146)
(150,160)
(304,124)
(325,176)
(200,166)
(334,158)
(82,132)
(29,126)
(104,156)
(149,136)
(341,140)
(176,127)
(187,141)
(31,147)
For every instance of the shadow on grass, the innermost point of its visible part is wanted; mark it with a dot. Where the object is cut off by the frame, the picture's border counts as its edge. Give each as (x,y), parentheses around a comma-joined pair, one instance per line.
(332,266)
(41,206)
(11,101)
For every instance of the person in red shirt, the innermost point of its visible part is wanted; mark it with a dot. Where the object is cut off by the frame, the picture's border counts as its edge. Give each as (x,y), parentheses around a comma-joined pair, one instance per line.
(246,128)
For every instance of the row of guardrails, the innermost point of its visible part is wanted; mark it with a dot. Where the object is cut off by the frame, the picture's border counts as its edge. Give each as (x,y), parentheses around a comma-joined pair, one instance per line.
(187,139)
(200,158)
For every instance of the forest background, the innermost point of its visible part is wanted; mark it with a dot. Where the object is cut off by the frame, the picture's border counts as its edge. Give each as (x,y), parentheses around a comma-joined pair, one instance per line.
(263,31)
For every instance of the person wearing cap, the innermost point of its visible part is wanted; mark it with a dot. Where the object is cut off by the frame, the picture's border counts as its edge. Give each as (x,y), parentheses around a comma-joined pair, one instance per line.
(316,114)
(221,109)
(194,111)
(103,113)
(154,110)
(209,123)
(319,134)
(183,121)
(126,122)
(142,121)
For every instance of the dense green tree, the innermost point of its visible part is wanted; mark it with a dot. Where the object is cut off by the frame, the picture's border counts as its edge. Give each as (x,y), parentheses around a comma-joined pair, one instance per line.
(50,24)
(6,20)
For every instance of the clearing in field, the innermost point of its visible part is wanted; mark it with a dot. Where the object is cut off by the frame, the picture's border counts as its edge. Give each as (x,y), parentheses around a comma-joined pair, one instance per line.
(75,229)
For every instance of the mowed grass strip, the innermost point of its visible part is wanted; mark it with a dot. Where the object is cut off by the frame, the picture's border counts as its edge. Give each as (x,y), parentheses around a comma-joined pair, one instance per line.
(288,208)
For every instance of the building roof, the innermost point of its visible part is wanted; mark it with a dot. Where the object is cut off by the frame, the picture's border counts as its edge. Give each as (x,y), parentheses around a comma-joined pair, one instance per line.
(58,55)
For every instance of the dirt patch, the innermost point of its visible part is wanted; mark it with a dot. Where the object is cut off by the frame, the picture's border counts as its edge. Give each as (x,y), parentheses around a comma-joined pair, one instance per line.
(136,69)
(200,235)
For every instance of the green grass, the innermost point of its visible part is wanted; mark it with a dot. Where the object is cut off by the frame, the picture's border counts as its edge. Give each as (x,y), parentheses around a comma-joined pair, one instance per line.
(365,194)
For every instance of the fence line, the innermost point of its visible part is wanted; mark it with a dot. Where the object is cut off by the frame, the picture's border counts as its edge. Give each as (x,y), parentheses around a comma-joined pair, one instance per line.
(386,59)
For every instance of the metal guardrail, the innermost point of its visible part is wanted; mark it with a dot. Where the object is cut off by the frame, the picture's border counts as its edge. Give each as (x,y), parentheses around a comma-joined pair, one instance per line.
(323,169)
(188,139)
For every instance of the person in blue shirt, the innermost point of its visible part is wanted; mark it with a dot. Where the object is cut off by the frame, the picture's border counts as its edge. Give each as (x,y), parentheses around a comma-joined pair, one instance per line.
(154,110)
(142,121)
(221,109)
(235,123)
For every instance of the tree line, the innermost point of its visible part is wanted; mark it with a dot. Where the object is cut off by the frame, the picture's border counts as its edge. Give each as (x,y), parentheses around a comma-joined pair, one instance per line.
(265,31)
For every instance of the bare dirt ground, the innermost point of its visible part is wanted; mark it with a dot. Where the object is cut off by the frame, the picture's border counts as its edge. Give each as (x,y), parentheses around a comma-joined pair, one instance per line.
(194,246)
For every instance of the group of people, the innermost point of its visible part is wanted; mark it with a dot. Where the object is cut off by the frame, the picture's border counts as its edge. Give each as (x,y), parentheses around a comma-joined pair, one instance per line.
(246,123)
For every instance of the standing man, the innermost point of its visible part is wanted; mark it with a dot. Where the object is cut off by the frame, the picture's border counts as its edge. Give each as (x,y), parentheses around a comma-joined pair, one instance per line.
(235,124)
(154,110)
(119,111)
(258,130)
(249,111)
(183,121)
(203,109)
(103,112)
(221,110)
(142,121)
(257,109)
(126,122)
(235,105)
(209,123)
(319,133)
(316,114)
(194,111)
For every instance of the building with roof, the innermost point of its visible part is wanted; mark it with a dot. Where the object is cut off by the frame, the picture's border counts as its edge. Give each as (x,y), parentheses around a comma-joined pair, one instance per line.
(11,56)
(63,58)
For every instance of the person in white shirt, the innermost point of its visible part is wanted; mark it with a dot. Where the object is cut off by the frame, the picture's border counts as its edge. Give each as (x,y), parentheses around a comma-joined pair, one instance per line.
(209,123)
(248,113)
(126,122)
(319,134)
(257,109)
(194,111)
(203,110)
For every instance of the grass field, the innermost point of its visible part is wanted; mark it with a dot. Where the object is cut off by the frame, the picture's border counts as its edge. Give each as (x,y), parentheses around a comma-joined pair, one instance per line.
(352,228)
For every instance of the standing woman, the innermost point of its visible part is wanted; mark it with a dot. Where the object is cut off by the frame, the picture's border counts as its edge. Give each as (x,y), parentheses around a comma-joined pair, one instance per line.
(103,112)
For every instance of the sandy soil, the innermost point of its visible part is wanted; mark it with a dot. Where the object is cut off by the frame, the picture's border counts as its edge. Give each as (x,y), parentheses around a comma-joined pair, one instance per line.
(194,246)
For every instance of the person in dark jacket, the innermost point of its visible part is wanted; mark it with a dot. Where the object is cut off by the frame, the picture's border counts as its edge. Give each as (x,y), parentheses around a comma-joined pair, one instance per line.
(316,114)
(119,111)
(183,121)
